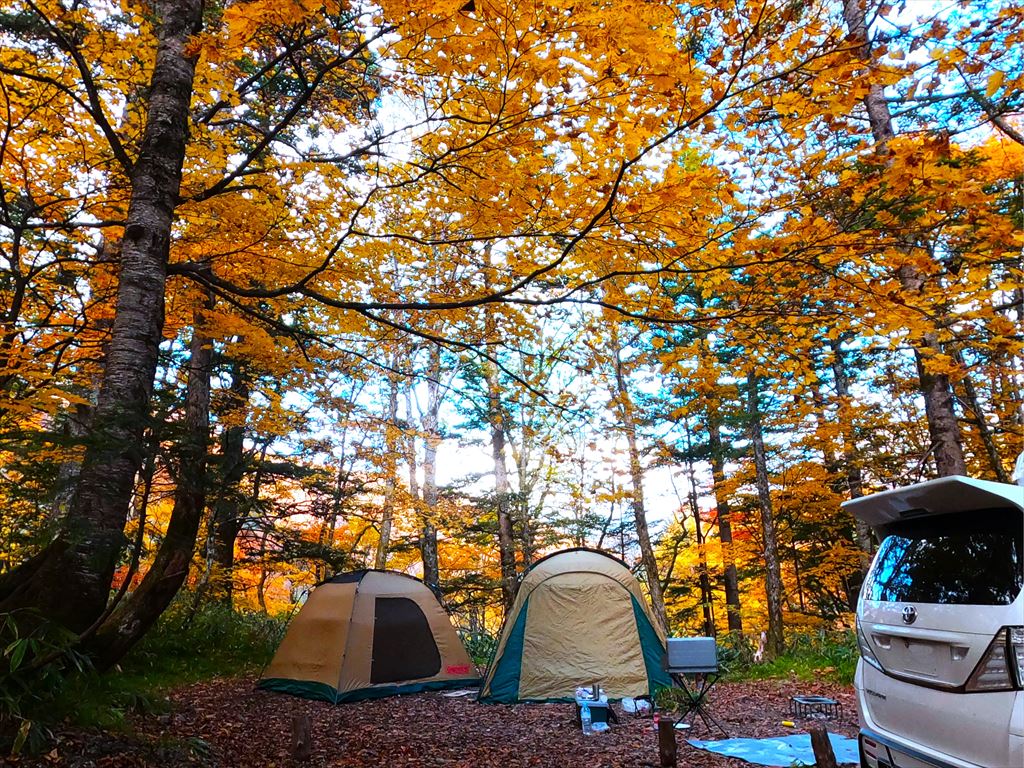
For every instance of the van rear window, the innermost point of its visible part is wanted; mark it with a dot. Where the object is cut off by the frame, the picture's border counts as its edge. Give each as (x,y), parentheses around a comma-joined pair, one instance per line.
(969,558)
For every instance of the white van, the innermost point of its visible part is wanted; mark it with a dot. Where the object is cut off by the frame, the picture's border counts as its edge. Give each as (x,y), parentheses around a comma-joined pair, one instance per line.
(940,625)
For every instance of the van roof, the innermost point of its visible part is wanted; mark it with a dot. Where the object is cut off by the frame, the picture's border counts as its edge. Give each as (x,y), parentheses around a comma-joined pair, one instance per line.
(935,497)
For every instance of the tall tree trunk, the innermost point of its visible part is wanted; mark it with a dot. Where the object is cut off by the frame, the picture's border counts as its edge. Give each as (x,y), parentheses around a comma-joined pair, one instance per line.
(773,573)
(133,618)
(730,578)
(71,582)
(938,405)
(851,461)
(973,403)
(391,449)
(497,425)
(636,475)
(410,453)
(707,597)
(795,554)
(935,387)
(506,535)
(330,525)
(227,509)
(428,530)
(257,485)
(844,475)
(261,584)
(521,510)
(74,428)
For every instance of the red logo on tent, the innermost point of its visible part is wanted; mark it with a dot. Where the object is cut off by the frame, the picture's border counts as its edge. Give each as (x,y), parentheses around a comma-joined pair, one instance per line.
(457,669)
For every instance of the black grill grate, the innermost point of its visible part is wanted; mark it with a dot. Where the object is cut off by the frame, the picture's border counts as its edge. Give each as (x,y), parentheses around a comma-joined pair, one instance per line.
(808,706)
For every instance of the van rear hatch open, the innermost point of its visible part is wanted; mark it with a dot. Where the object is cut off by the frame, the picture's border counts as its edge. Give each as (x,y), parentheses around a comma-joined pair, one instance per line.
(939,591)
(937,613)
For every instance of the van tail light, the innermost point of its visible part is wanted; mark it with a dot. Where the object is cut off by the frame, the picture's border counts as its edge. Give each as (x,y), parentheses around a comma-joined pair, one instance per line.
(1017,653)
(1002,666)
(866,651)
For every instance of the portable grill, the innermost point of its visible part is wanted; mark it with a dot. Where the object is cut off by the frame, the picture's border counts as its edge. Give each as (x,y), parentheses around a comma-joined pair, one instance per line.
(808,706)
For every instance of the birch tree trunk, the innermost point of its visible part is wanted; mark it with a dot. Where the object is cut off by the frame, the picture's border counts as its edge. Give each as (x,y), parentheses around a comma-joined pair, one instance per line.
(523,503)
(70,583)
(851,461)
(707,598)
(773,572)
(390,475)
(410,453)
(636,475)
(730,578)
(506,534)
(935,387)
(428,530)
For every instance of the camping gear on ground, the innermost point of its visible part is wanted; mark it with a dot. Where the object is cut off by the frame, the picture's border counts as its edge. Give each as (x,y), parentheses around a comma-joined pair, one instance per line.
(693,664)
(815,706)
(592,691)
(368,634)
(585,720)
(792,750)
(579,615)
(599,709)
(639,707)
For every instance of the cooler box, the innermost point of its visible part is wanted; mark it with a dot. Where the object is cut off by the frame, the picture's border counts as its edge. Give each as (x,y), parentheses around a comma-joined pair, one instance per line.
(598,711)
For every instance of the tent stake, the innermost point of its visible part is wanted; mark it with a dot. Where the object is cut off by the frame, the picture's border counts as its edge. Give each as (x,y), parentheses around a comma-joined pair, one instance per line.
(824,757)
(667,742)
(302,738)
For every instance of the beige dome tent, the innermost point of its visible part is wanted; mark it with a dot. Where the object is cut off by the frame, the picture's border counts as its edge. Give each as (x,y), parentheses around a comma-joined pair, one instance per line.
(579,617)
(368,634)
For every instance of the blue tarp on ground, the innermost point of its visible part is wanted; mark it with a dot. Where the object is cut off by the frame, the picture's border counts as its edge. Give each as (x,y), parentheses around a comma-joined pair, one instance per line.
(781,750)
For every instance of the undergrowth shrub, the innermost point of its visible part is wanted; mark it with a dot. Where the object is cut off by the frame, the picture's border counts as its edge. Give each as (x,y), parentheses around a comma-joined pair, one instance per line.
(480,646)
(825,654)
(211,639)
(189,643)
(37,659)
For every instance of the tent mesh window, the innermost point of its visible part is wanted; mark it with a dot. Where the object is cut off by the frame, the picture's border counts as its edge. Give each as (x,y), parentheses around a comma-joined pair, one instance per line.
(403,645)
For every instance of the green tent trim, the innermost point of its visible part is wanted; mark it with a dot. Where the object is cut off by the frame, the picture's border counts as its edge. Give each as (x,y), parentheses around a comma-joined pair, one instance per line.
(505,683)
(653,650)
(307,689)
(313,690)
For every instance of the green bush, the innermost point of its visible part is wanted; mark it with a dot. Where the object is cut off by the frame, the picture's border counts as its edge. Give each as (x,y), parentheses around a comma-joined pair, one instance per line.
(735,651)
(187,644)
(829,655)
(191,643)
(37,658)
(480,645)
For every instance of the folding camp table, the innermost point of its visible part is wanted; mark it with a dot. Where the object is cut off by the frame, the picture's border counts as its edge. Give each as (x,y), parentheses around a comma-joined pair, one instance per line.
(692,662)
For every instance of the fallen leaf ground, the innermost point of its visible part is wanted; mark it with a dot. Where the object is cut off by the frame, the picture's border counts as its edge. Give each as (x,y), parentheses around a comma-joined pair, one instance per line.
(223,723)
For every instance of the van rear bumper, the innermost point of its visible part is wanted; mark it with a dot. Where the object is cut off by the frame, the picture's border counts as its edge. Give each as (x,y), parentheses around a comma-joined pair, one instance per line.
(884,751)
(919,727)
(878,751)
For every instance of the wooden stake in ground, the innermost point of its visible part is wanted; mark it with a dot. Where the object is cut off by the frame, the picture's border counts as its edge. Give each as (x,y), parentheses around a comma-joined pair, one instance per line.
(302,738)
(824,757)
(667,743)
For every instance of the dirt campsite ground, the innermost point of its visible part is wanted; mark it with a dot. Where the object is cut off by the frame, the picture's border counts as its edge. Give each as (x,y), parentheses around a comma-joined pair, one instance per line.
(230,723)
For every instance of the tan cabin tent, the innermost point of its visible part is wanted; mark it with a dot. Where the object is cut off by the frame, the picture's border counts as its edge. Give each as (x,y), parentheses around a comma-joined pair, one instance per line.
(579,617)
(368,634)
